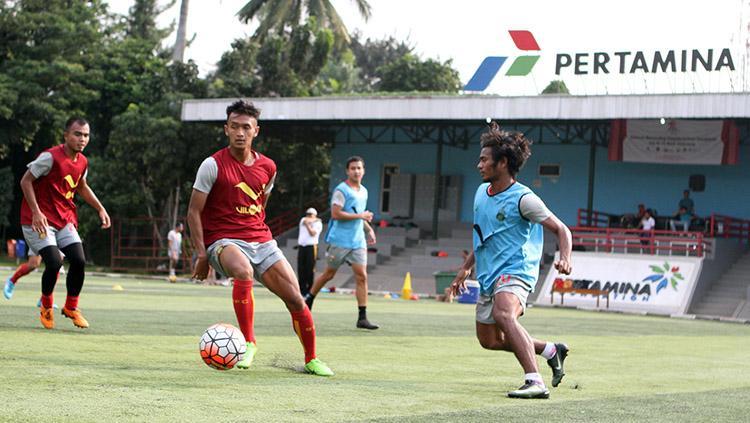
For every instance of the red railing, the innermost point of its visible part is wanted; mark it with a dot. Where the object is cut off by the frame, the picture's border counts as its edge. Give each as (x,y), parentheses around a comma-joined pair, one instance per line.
(595,219)
(721,226)
(613,240)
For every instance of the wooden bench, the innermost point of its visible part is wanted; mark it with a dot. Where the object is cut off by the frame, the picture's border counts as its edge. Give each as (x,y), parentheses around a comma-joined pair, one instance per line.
(595,292)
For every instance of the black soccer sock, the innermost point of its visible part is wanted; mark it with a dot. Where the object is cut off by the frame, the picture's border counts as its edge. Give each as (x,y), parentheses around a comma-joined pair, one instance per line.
(52,264)
(362,312)
(77,266)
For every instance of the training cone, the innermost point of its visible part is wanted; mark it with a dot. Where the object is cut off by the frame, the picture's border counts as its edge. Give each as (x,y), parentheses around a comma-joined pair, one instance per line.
(406,290)
(117,287)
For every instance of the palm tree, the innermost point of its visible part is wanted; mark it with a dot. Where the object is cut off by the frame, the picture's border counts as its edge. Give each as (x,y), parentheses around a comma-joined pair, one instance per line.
(179,45)
(275,15)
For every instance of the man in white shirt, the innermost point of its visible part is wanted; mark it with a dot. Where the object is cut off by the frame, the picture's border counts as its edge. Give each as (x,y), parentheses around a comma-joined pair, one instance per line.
(174,249)
(647,224)
(309,232)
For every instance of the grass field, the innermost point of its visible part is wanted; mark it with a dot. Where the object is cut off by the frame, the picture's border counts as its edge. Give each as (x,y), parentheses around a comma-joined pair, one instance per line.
(139,361)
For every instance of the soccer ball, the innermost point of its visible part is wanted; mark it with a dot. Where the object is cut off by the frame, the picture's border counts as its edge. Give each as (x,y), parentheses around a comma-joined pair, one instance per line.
(172,278)
(222,346)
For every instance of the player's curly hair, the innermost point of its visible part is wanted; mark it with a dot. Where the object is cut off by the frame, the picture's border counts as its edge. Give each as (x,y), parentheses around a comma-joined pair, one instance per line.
(242,107)
(514,146)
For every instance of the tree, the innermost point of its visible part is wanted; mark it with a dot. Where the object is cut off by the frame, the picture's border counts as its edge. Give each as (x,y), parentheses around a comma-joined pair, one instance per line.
(373,54)
(285,65)
(556,87)
(409,73)
(279,16)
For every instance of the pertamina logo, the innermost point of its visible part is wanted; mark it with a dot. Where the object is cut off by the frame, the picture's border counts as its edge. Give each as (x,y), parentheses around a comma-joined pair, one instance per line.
(522,66)
(664,275)
(73,186)
(254,208)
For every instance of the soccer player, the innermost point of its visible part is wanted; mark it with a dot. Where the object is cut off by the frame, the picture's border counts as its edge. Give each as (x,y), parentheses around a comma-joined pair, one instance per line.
(49,218)
(346,237)
(508,238)
(226,216)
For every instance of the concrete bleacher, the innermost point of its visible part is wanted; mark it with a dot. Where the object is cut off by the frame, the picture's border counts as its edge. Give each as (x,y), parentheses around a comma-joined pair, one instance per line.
(729,294)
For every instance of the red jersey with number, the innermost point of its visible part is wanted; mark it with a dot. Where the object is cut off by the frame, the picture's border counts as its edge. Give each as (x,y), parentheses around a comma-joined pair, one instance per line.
(55,190)
(234,207)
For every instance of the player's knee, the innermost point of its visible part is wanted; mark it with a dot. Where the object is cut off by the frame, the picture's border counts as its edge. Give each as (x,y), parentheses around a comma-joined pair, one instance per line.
(243,273)
(503,318)
(77,261)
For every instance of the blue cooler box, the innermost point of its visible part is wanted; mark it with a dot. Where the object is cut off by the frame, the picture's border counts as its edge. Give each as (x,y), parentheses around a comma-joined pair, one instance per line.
(20,248)
(471,294)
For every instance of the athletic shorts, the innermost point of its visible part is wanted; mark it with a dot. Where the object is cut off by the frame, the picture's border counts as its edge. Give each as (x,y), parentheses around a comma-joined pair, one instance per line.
(514,286)
(61,238)
(262,255)
(336,256)
(173,255)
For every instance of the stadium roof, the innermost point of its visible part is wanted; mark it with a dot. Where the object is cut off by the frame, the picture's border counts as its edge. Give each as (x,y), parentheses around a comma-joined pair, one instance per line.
(468,107)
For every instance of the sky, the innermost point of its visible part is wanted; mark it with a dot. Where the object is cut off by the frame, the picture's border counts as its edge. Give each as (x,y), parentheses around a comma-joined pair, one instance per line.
(469,30)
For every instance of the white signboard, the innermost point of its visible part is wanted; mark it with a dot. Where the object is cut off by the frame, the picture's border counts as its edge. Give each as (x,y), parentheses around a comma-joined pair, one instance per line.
(675,141)
(657,284)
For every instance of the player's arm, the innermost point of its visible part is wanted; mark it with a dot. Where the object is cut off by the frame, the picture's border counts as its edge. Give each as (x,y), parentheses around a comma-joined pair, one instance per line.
(459,282)
(309,226)
(85,191)
(565,241)
(370,232)
(195,208)
(38,219)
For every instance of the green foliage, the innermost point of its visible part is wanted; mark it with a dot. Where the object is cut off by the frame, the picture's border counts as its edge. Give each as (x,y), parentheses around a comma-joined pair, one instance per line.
(409,73)
(373,54)
(6,194)
(556,87)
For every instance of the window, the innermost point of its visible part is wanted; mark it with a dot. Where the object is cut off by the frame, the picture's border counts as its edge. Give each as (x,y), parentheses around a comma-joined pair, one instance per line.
(386,183)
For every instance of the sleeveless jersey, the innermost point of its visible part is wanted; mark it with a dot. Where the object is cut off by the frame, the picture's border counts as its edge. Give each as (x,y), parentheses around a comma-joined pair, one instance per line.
(349,233)
(505,243)
(55,190)
(234,206)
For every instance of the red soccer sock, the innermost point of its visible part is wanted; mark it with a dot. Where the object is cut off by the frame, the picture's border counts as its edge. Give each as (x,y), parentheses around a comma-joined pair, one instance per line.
(71,303)
(22,271)
(48,300)
(305,328)
(244,307)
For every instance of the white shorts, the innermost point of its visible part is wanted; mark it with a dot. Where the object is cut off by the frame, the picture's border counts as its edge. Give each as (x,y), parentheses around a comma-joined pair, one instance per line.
(262,255)
(485,303)
(61,238)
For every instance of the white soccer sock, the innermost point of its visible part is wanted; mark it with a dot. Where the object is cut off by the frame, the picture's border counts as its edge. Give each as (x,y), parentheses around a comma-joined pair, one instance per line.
(534,377)
(549,350)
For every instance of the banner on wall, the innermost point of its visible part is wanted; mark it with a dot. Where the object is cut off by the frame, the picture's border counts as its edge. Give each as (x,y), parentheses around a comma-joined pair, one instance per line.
(655,284)
(674,141)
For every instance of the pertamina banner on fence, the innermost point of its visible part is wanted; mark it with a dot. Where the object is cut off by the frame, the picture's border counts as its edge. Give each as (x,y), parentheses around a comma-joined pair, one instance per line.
(674,141)
(656,284)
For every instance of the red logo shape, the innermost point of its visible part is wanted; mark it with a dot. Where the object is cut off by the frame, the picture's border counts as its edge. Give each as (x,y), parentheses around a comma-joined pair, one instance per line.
(524,40)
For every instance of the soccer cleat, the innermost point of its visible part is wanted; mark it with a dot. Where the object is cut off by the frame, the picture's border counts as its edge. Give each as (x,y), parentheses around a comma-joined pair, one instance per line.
(556,363)
(309,298)
(39,304)
(247,359)
(530,390)
(47,317)
(9,287)
(317,367)
(76,317)
(365,324)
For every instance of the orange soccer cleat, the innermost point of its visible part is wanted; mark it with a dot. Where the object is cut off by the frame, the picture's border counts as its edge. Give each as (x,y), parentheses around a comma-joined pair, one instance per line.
(76,317)
(47,317)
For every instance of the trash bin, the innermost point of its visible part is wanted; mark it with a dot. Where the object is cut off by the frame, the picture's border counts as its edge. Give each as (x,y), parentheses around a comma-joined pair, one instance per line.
(443,280)
(20,248)
(471,294)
